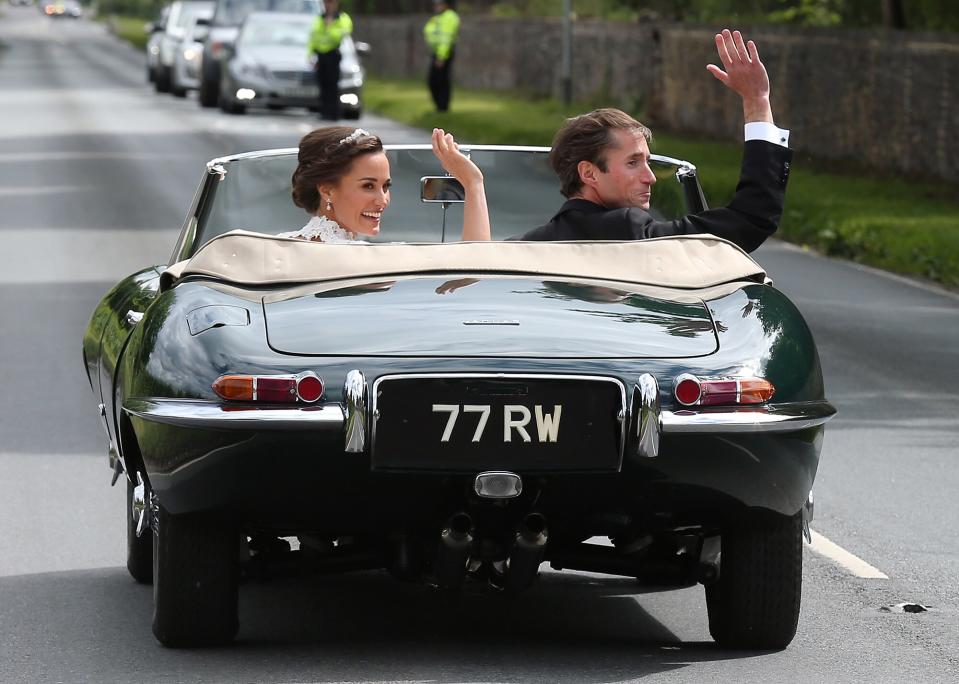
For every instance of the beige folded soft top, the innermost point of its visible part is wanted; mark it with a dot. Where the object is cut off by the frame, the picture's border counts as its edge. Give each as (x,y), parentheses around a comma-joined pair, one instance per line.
(686,262)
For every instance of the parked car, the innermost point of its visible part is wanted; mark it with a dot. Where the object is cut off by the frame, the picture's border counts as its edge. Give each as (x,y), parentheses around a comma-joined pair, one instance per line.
(228,15)
(67,9)
(269,67)
(456,412)
(185,75)
(155,31)
(171,35)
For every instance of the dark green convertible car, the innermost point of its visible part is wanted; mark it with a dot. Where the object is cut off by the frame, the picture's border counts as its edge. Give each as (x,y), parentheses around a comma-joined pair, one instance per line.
(456,412)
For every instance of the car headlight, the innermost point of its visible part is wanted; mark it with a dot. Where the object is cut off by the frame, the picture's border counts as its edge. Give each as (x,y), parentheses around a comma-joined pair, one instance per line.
(190,54)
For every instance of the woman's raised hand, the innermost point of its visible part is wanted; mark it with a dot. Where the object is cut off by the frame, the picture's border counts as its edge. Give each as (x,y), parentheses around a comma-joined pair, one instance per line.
(475,213)
(455,162)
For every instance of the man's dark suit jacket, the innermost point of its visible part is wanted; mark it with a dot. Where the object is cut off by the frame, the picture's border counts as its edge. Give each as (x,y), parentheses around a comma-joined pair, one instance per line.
(751,216)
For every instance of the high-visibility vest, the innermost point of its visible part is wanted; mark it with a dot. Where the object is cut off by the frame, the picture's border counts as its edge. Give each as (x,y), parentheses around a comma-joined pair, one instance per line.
(327,37)
(440,33)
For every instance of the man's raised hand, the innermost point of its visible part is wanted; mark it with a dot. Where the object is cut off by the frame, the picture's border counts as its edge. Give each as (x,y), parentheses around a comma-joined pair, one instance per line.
(744,74)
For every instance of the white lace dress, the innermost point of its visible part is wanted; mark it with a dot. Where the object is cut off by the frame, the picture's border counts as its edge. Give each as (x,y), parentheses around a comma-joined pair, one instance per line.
(321,229)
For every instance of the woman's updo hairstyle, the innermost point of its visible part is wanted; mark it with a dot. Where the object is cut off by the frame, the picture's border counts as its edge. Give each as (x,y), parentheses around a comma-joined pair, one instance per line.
(325,156)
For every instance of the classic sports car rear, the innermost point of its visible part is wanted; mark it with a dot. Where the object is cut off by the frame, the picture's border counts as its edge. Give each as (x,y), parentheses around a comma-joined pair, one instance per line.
(457,412)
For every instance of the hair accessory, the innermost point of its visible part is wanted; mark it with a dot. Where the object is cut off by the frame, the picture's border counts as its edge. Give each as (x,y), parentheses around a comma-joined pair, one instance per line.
(359,132)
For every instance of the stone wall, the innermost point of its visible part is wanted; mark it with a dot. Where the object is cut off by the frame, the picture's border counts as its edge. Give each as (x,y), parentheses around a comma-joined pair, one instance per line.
(887,100)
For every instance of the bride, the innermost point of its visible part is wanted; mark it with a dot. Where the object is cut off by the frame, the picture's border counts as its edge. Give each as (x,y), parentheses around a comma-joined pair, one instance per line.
(343,181)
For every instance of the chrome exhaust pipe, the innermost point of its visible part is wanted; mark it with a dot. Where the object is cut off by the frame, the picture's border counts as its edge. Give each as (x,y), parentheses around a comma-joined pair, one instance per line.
(527,553)
(453,551)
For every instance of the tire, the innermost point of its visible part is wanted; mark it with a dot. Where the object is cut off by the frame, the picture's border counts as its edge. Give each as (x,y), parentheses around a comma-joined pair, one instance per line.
(151,76)
(230,107)
(195,575)
(139,549)
(352,114)
(755,602)
(209,92)
(162,80)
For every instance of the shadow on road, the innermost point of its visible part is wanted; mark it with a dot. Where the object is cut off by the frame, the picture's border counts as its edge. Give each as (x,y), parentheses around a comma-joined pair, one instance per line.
(94,625)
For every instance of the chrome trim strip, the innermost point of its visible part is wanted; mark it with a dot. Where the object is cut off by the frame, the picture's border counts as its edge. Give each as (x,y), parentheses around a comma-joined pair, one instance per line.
(649,423)
(748,419)
(200,413)
(374,410)
(354,394)
(685,166)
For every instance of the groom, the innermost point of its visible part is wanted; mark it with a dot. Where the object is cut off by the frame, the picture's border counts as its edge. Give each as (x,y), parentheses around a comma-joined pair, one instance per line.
(602,160)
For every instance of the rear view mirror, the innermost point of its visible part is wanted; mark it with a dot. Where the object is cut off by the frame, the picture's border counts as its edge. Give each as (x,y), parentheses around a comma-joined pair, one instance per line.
(201,32)
(442,189)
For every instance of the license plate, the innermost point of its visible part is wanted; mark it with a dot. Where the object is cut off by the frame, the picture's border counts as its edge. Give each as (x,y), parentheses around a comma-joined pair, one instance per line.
(305,92)
(472,423)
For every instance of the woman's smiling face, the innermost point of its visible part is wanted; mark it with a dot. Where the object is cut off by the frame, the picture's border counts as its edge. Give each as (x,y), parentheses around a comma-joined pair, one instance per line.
(360,196)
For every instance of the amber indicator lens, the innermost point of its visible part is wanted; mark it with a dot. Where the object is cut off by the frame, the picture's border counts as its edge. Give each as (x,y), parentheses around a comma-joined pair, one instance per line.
(755,391)
(234,387)
(309,388)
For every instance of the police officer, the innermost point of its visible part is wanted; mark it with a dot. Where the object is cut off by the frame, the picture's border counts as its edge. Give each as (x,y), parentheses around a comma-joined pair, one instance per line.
(440,33)
(328,31)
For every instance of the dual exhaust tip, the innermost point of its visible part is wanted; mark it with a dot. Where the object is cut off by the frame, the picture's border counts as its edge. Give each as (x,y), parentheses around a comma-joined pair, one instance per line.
(521,565)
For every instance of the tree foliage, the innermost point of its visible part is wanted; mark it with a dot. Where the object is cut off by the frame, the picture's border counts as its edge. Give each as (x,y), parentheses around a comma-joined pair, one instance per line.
(917,15)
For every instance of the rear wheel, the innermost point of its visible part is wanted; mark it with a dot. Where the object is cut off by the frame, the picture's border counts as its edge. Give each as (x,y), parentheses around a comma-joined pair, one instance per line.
(139,549)
(755,602)
(195,569)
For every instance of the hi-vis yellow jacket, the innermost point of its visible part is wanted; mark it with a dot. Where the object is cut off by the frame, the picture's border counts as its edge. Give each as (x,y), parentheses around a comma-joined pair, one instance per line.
(326,38)
(441,31)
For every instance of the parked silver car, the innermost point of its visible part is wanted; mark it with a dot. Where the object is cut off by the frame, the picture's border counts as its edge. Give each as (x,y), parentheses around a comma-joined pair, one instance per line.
(186,62)
(171,35)
(224,28)
(269,66)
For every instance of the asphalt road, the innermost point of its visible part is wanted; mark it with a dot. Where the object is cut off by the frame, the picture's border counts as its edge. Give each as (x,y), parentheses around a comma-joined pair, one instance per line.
(96,172)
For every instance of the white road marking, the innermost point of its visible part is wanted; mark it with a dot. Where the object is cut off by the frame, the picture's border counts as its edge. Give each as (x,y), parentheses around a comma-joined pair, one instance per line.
(854,564)
(53,255)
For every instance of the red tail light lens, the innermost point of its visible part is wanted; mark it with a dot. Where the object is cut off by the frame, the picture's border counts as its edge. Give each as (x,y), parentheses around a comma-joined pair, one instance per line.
(303,387)
(693,391)
(309,388)
(277,388)
(688,390)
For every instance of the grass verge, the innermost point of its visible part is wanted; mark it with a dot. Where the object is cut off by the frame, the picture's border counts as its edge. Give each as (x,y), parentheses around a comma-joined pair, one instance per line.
(904,226)
(130,29)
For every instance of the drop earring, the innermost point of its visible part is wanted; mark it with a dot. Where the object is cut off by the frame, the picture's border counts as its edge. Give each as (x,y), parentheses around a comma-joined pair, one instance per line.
(329,204)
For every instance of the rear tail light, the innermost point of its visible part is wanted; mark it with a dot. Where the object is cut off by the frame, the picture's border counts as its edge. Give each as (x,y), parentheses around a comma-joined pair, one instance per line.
(304,387)
(694,391)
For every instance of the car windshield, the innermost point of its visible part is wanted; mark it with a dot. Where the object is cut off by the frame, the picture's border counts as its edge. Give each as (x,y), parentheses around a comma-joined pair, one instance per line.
(522,192)
(284,32)
(191,10)
(233,12)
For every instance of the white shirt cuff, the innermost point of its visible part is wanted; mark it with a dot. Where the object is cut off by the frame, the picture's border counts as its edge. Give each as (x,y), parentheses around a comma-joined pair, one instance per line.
(761,130)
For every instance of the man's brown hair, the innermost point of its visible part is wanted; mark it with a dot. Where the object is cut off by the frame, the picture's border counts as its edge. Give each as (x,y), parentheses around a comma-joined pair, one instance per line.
(586,138)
